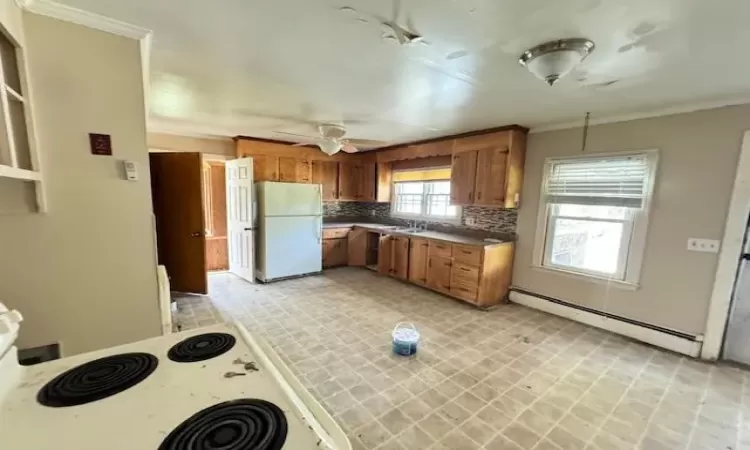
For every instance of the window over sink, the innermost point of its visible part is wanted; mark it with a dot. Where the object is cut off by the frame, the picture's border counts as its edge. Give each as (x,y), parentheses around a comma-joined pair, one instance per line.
(593,215)
(424,195)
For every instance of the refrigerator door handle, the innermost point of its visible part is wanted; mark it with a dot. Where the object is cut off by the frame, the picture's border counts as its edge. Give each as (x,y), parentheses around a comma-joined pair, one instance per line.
(319,229)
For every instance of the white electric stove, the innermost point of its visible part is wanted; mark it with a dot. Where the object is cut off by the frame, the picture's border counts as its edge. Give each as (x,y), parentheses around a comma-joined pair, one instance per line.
(212,388)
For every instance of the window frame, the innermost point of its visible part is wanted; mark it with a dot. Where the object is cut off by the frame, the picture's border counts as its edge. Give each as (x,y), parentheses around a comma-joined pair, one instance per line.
(425,197)
(630,262)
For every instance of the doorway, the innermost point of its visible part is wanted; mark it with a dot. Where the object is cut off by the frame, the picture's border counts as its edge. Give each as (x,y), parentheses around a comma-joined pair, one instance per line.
(189,203)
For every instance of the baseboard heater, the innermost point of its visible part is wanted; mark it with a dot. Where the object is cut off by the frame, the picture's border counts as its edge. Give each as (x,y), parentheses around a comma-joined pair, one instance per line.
(676,341)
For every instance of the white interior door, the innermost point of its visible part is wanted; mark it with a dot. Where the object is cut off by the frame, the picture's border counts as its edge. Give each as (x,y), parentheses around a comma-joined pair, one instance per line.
(241,218)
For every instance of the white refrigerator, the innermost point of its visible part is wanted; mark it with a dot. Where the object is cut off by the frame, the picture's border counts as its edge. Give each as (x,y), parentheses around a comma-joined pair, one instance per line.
(289,236)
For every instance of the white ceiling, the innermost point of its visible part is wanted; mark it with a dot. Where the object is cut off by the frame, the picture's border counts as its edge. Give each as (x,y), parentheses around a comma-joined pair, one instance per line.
(219,66)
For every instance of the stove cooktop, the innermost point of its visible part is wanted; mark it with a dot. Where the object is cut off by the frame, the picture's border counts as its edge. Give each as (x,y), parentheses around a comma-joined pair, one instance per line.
(234,425)
(97,379)
(201,347)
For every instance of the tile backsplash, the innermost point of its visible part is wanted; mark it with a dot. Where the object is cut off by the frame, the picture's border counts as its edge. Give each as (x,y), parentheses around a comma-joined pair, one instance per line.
(480,217)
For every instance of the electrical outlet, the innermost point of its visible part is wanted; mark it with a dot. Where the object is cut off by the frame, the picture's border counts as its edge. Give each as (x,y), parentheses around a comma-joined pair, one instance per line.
(470,221)
(372,212)
(703,245)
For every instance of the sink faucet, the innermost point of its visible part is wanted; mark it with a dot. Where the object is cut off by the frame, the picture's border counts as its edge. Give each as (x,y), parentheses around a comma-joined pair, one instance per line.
(423,226)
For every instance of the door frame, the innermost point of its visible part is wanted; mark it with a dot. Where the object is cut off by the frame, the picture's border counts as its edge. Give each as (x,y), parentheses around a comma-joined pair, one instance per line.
(720,303)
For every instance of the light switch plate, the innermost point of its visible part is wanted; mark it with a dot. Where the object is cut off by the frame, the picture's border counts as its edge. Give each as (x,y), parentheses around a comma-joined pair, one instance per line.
(703,245)
(470,221)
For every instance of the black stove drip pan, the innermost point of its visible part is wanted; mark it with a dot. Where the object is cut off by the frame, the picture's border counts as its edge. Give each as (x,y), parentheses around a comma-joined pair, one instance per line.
(201,347)
(97,379)
(243,424)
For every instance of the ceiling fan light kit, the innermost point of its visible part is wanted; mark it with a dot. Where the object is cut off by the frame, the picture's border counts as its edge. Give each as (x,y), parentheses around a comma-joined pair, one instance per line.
(553,60)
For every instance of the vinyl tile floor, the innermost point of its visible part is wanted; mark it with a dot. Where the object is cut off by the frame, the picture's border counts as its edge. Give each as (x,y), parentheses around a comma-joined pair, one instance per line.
(508,378)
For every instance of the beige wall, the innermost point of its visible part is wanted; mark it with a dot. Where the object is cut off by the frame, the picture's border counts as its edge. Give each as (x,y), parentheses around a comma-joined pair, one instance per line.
(697,163)
(171,142)
(84,273)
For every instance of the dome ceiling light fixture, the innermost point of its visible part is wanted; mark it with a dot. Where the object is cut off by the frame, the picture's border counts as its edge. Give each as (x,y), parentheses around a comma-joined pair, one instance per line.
(555,59)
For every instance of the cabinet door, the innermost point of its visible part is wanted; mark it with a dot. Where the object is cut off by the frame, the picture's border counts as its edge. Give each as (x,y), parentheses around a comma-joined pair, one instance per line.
(326,173)
(401,257)
(265,168)
(418,261)
(357,247)
(385,255)
(338,252)
(348,184)
(302,171)
(287,169)
(366,178)
(327,246)
(384,184)
(463,176)
(490,179)
(439,273)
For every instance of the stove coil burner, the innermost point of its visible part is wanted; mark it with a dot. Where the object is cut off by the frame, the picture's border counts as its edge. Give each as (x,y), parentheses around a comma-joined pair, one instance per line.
(201,347)
(245,424)
(97,379)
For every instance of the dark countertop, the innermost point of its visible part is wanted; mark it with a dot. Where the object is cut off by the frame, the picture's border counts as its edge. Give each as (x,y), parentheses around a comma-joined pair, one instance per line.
(454,238)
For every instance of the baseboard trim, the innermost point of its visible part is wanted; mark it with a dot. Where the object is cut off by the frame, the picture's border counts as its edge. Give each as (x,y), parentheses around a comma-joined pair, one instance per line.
(670,340)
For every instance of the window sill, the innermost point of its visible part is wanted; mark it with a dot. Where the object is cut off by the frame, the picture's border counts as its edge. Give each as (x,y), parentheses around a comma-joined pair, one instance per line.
(624,285)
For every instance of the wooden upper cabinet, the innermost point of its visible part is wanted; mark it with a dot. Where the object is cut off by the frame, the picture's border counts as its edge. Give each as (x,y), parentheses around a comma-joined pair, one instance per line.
(490,179)
(265,168)
(326,173)
(385,254)
(348,182)
(357,181)
(302,171)
(418,261)
(463,177)
(287,169)
(385,182)
(367,177)
(294,170)
(400,257)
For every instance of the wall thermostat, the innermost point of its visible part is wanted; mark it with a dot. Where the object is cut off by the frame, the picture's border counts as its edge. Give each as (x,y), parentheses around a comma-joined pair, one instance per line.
(131,170)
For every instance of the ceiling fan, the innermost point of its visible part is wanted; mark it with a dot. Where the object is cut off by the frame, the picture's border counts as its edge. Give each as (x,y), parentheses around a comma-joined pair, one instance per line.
(331,140)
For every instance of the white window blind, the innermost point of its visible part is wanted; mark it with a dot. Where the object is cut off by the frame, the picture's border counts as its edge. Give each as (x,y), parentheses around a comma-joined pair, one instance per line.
(606,181)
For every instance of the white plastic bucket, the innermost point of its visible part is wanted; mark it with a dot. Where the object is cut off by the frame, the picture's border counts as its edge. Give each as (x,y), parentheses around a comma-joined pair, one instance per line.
(405,339)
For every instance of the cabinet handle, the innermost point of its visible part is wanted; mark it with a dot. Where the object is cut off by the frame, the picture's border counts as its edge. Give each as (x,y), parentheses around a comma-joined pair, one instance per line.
(471,196)
(465,269)
(466,252)
(479,195)
(429,263)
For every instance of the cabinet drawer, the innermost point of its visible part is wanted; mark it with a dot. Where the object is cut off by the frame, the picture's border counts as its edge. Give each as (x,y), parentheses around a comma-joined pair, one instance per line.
(464,275)
(468,254)
(465,293)
(335,233)
(440,249)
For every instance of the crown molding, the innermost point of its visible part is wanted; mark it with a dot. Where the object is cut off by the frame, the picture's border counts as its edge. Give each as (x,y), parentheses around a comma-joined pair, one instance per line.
(669,111)
(88,19)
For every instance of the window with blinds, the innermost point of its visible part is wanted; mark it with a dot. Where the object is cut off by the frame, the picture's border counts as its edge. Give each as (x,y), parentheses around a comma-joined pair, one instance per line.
(598,181)
(593,214)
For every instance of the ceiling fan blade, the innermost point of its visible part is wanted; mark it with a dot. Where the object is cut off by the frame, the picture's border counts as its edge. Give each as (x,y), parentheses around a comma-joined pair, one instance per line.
(366,142)
(312,138)
(349,148)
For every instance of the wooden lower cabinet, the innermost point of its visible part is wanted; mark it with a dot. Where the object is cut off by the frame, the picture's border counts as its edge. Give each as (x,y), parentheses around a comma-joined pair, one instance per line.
(418,261)
(357,247)
(335,252)
(385,254)
(439,273)
(473,273)
(400,258)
